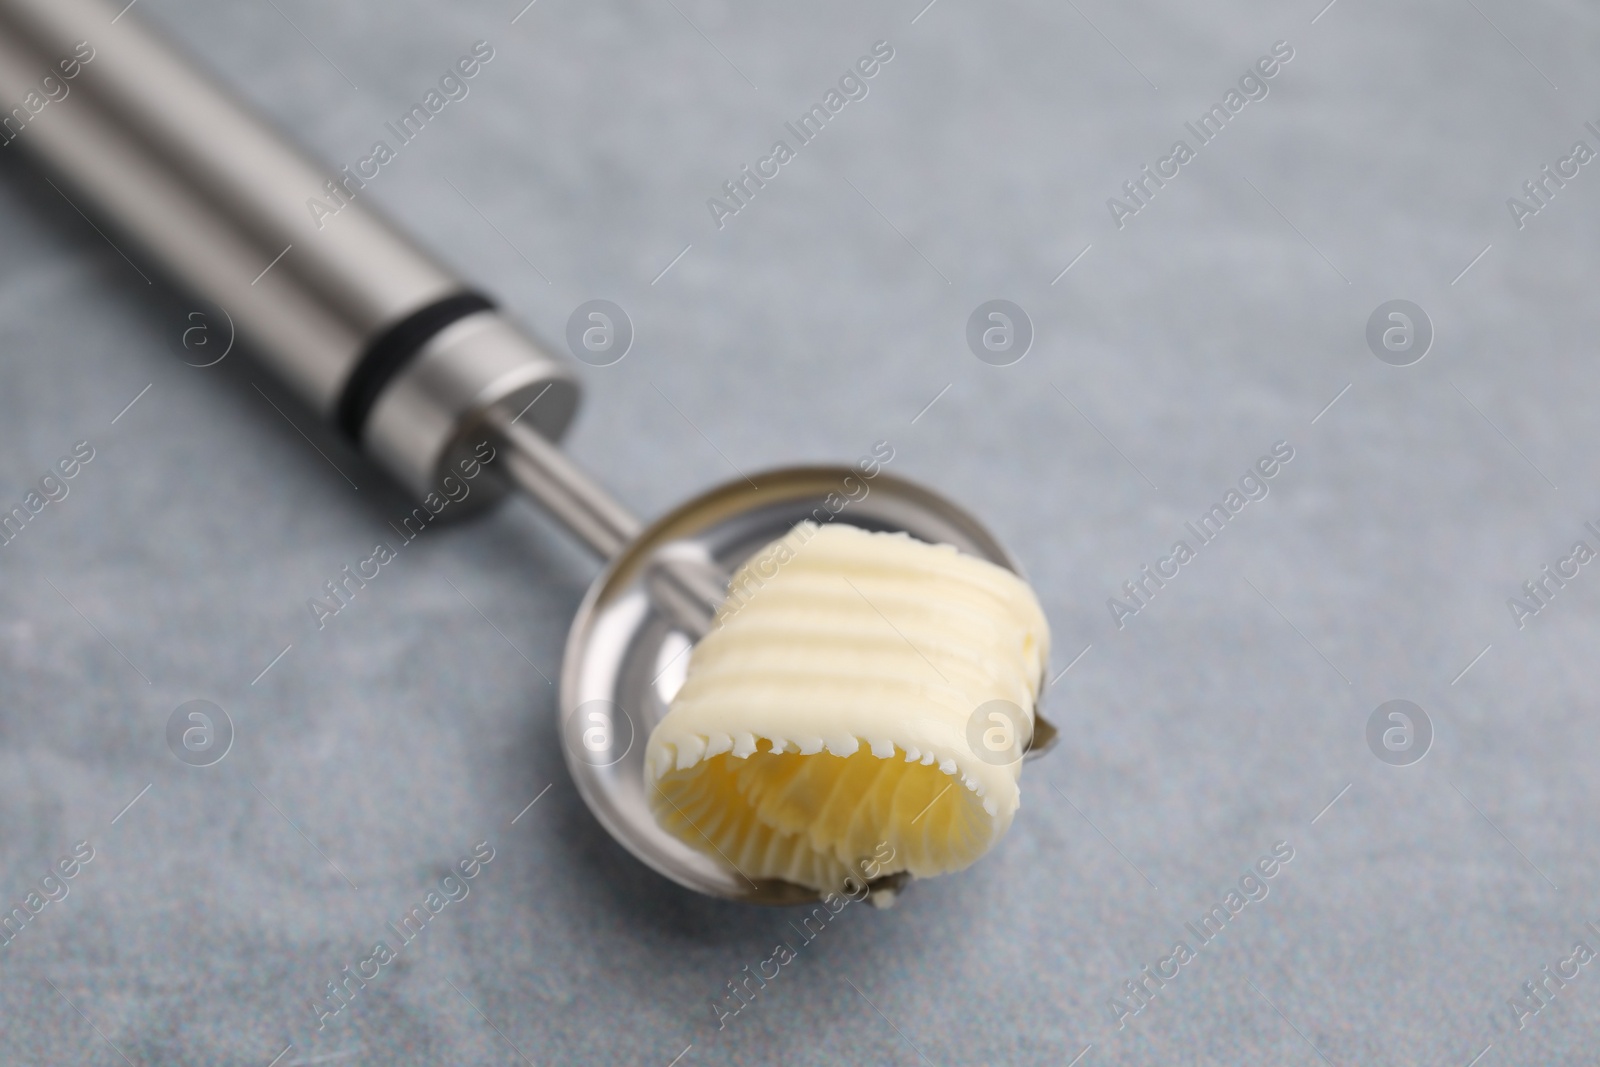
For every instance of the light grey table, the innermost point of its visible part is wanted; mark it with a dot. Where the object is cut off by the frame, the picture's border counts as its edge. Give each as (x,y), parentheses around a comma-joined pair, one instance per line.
(1229,714)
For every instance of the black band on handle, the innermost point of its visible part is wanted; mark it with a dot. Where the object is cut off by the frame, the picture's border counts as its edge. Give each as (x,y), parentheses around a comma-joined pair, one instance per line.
(391,350)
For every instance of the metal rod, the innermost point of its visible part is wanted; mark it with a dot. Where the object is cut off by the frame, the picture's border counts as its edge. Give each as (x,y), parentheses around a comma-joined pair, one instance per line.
(540,469)
(688,590)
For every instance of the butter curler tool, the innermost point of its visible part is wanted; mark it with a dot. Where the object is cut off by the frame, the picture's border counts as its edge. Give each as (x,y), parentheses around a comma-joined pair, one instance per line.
(413,366)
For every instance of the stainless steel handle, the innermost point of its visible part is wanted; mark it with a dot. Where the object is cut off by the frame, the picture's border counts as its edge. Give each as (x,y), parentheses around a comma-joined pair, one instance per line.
(367,328)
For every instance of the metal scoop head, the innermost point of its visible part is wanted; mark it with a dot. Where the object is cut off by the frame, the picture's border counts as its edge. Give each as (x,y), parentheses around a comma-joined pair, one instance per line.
(629,646)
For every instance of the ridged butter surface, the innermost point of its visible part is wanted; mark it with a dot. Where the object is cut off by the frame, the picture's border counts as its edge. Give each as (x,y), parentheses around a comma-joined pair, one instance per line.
(828,709)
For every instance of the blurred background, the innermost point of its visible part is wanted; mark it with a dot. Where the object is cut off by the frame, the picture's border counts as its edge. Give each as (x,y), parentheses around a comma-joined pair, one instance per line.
(1239,307)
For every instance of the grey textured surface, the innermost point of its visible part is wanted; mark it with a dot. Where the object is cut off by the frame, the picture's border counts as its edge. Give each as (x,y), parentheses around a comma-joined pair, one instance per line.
(1222,718)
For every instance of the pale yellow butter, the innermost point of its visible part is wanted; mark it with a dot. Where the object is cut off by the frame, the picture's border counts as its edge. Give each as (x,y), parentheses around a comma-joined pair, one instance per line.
(831,709)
